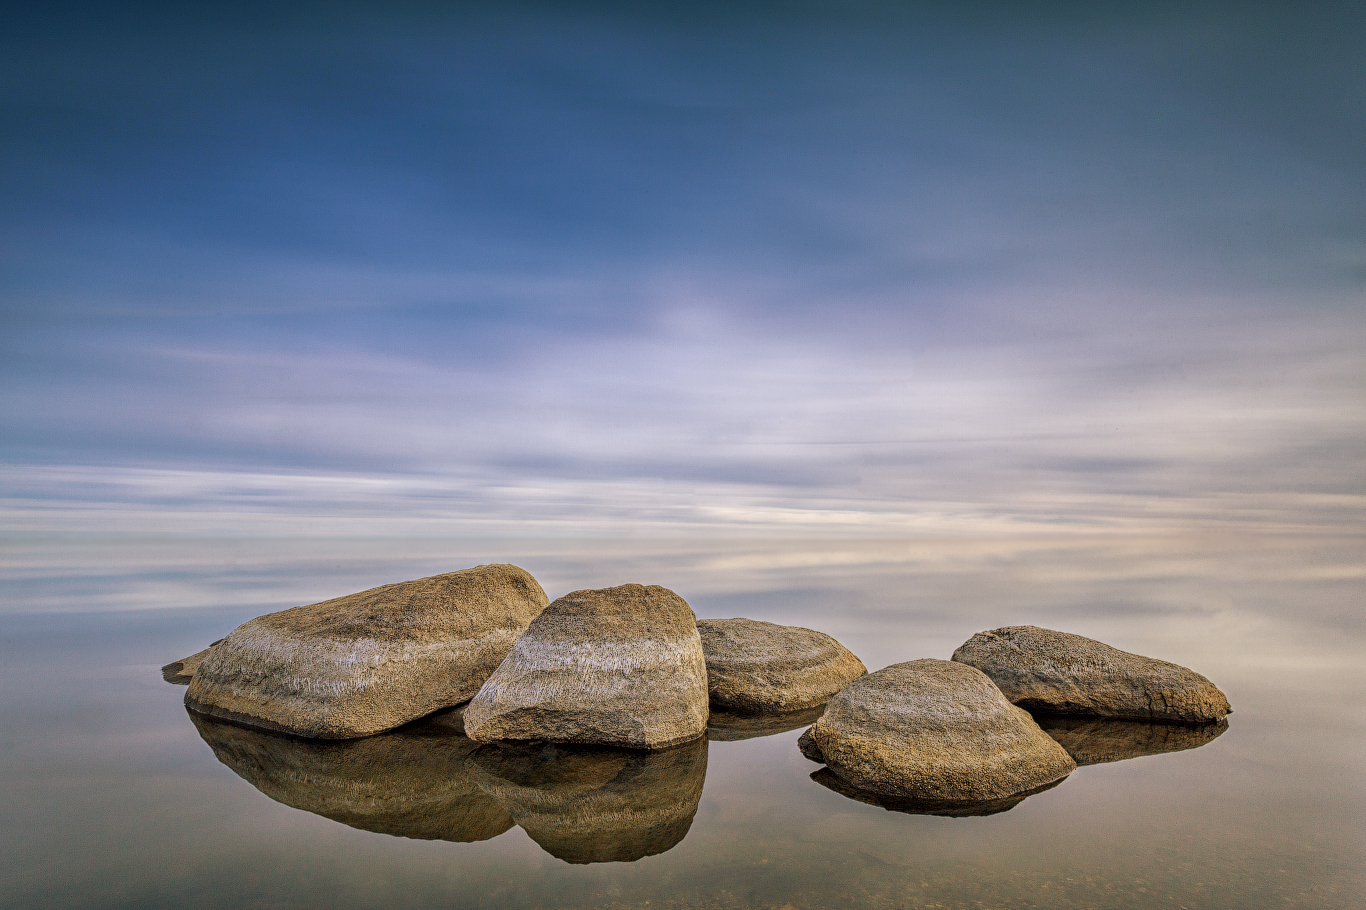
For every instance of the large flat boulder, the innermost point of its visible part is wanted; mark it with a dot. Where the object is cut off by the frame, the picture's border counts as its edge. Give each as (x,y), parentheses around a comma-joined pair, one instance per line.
(409,783)
(371,661)
(1059,673)
(933,730)
(758,667)
(617,666)
(589,804)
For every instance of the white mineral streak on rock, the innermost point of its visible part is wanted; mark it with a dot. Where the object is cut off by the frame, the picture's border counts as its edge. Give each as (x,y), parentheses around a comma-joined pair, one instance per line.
(618,666)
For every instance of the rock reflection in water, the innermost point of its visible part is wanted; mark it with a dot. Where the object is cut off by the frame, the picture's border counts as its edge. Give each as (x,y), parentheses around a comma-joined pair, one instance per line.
(723,726)
(595,805)
(1094,741)
(412,782)
(950,808)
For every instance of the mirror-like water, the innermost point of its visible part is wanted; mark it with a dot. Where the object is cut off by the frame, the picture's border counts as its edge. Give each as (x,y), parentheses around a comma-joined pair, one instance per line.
(117,797)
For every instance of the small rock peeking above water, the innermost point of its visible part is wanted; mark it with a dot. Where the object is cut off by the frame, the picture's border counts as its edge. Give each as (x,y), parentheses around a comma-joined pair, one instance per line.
(760,667)
(1060,673)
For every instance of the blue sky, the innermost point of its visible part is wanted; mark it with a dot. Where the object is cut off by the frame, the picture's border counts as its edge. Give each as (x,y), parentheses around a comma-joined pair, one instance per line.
(756,268)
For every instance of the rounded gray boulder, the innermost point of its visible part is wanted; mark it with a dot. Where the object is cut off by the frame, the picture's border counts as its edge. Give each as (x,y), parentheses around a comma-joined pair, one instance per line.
(758,667)
(370,661)
(617,667)
(933,730)
(1060,673)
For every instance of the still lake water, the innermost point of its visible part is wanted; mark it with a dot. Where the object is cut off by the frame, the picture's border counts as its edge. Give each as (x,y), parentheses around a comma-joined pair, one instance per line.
(114,797)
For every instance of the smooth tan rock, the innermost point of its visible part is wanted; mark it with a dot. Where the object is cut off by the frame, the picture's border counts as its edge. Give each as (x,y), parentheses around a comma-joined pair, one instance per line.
(933,730)
(723,726)
(758,667)
(618,666)
(180,672)
(1056,672)
(1098,740)
(587,804)
(409,783)
(371,661)
(949,808)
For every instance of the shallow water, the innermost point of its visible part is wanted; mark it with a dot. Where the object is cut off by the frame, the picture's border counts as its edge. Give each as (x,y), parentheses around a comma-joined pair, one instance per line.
(116,797)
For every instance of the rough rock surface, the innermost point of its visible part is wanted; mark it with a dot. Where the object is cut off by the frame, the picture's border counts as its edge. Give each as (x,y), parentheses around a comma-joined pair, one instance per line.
(1060,673)
(180,672)
(586,804)
(617,666)
(757,667)
(933,730)
(949,808)
(409,783)
(371,661)
(723,726)
(1097,740)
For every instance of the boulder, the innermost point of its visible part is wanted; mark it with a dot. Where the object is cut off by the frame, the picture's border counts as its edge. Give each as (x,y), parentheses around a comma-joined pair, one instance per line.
(1055,672)
(722,726)
(618,667)
(588,804)
(409,783)
(180,672)
(1097,740)
(371,661)
(757,667)
(933,730)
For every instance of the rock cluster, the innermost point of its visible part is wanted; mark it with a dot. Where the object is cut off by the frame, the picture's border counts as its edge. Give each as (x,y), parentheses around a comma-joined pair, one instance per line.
(1056,672)
(371,661)
(586,721)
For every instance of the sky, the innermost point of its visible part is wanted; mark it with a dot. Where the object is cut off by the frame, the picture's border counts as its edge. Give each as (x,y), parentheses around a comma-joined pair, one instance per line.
(745,268)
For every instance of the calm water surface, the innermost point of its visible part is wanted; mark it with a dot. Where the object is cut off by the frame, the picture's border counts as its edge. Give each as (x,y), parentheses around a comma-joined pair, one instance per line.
(116,797)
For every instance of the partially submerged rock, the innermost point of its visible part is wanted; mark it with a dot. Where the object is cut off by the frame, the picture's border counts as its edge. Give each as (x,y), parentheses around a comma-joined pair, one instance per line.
(756,667)
(180,672)
(724,726)
(949,808)
(587,804)
(409,783)
(1097,740)
(371,661)
(617,666)
(933,730)
(1060,673)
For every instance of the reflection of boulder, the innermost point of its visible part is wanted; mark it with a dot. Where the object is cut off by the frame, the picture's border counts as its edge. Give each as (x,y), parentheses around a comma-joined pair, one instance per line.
(410,783)
(757,666)
(950,808)
(596,805)
(1061,673)
(723,726)
(1094,741)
